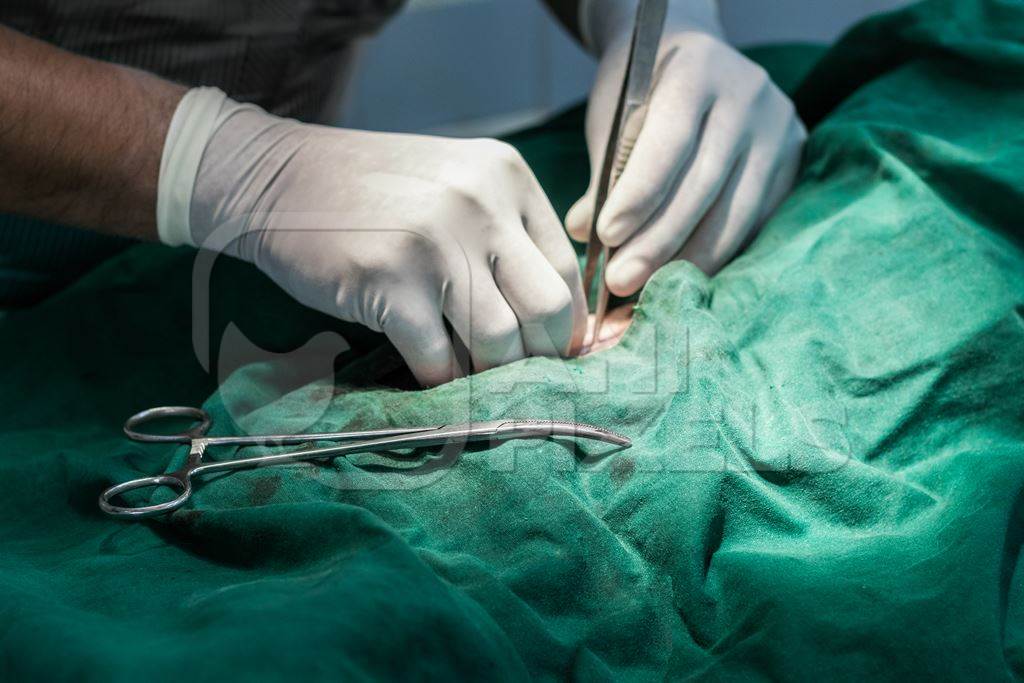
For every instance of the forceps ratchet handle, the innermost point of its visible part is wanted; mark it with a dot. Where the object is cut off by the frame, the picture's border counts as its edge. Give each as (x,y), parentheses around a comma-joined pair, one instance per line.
(181,481)
(198,415)
(203,422)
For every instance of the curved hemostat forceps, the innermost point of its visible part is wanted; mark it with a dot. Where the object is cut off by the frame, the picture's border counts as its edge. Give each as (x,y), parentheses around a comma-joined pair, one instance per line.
(355,442)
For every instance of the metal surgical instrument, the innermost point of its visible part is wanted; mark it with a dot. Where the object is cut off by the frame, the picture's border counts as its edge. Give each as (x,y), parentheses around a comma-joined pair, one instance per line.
(626,125)
(355,442)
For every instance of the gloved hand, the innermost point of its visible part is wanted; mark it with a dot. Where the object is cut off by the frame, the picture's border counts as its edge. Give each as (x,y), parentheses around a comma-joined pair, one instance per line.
(718,151)
(396,232)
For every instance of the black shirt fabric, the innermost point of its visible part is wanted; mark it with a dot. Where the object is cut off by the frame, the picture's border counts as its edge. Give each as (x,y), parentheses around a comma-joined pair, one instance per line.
(284,55)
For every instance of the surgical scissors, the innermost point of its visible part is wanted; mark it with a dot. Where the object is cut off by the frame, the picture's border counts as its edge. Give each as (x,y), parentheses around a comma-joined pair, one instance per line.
(355,442)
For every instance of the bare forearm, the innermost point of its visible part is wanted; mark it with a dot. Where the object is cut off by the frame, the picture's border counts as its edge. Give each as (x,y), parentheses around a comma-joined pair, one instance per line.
(80,140)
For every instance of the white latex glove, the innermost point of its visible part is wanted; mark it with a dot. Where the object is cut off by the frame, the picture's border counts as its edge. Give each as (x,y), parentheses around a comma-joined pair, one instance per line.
(396,232)
(718,151)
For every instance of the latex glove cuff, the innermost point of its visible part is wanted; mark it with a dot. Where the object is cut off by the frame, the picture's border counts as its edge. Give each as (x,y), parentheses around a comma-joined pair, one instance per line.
(198,115)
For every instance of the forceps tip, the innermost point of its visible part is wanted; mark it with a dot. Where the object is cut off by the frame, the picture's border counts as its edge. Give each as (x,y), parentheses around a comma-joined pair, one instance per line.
(574,429)
(605,435)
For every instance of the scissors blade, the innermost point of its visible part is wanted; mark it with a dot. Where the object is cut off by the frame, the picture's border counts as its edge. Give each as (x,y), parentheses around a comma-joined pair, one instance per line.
(629,114)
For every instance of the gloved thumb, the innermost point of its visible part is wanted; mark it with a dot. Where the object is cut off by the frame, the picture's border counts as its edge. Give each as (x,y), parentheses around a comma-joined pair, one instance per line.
(579,219)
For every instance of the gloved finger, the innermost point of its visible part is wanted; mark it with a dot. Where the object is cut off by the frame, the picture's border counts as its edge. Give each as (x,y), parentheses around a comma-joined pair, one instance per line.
(787,168)
(663,151)
(729,221)
(545,230)
(418,333)
(537,294)
(482,317)
(579,218)
(670,227)
(754,190)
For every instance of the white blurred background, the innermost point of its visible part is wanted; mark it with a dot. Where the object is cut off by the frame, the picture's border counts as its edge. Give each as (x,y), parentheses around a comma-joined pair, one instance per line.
(485,67)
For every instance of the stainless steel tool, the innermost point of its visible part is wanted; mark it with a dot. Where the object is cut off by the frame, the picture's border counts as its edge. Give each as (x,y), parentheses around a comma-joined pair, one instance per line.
(355,442)
(626,125)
